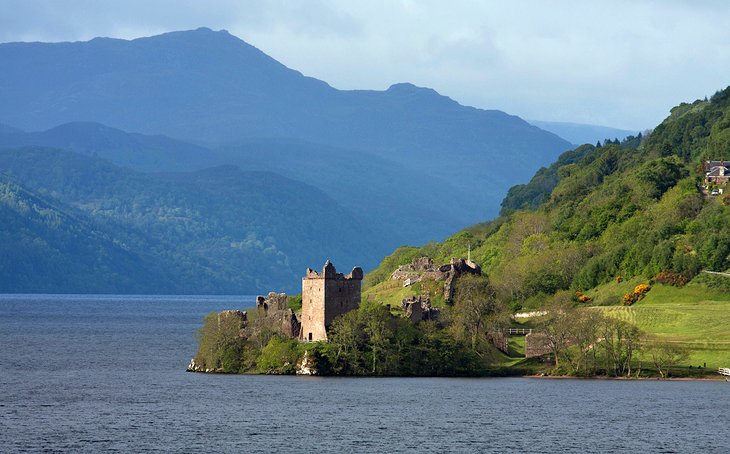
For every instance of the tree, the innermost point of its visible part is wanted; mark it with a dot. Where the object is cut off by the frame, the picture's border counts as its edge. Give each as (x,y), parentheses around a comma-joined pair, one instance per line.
(584,333)
(220,341)
(346,341)
(476,312)
(619,341)
(377,324)
(557,324)
(279,356)
(664,355)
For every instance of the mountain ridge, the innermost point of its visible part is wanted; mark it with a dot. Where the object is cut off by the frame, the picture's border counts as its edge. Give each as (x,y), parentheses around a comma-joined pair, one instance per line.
(211,88)
(406,164)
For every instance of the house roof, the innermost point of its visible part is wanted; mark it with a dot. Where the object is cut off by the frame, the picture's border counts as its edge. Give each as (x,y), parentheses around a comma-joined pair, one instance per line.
(709,165)
(718,172)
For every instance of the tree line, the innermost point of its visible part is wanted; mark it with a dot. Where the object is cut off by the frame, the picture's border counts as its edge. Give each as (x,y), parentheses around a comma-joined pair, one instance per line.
(586,342)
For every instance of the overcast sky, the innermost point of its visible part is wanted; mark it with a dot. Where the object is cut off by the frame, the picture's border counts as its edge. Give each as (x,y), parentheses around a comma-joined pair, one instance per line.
(616,63)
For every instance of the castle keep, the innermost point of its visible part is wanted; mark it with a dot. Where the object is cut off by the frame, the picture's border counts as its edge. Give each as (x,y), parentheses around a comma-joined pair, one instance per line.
(325,296)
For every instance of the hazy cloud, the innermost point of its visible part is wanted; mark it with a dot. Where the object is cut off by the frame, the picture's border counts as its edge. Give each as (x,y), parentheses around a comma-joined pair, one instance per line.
(622,63)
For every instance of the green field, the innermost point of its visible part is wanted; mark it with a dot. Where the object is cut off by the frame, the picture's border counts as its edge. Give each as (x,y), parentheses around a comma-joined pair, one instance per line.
(694,316)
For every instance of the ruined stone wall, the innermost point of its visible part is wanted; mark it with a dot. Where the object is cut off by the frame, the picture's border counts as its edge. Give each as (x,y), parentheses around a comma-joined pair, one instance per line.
(536,344)
(423,268)
(419,308)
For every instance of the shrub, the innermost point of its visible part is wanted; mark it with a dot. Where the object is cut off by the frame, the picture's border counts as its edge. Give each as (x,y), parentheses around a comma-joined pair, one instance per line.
(637,295)
(582,297)
(642,290)
(279,356)
(629,299)
(669,277)
(713,281)
(294,302)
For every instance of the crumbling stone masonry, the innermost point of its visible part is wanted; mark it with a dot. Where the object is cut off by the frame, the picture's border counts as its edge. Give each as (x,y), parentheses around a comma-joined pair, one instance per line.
(272,302)
(325,296)
(275,313)
(419,308)
(423,268)
(500,340)
(536,344)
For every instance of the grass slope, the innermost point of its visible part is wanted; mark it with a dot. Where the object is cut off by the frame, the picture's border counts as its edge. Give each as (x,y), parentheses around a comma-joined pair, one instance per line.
(695,316)
(393,293)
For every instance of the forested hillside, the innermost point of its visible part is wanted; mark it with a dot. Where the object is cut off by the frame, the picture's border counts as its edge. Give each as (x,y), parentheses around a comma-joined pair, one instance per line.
(605,213)
(74,223)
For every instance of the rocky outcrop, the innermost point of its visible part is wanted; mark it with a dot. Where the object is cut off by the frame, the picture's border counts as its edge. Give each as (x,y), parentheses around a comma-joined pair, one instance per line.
(196,367)
(307,365)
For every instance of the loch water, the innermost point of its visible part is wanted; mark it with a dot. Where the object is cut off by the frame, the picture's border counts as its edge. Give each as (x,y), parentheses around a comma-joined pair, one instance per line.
(107,373)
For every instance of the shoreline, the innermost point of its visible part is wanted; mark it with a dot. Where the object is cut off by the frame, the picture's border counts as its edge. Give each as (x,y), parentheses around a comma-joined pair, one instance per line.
(564,377)
(551,377)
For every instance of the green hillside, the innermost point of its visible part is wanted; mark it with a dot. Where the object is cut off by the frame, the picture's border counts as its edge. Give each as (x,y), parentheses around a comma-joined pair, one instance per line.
(606,218)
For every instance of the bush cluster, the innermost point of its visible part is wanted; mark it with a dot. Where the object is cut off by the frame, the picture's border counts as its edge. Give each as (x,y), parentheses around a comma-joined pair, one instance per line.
(638,294)
(669,277)
(582,297)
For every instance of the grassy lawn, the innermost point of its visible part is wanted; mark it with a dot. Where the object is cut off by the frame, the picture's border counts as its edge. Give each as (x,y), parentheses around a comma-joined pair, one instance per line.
(517,346)
(693,316)
(392,292)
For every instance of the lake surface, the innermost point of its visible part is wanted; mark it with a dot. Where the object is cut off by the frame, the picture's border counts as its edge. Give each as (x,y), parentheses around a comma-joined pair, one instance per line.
(99,373)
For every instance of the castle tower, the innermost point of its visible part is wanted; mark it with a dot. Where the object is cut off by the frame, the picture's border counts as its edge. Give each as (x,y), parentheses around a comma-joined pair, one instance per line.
(325,296)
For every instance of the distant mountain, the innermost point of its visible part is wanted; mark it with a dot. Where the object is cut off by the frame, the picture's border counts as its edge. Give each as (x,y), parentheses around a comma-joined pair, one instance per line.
(74,223)
(580,134)
(374,187)
(212,88)
(396,197)
(47,246)
(136,151)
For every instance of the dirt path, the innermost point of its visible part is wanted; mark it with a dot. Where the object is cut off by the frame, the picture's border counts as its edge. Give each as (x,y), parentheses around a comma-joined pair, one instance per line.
(716,272)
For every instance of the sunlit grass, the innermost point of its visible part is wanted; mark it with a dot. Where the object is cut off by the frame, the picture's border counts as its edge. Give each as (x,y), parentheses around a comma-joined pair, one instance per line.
(694,316)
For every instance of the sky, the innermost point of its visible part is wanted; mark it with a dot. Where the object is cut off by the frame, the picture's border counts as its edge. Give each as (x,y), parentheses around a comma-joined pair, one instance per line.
(620,63)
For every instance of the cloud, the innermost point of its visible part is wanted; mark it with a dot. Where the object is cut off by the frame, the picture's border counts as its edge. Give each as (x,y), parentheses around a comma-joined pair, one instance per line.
(621,63)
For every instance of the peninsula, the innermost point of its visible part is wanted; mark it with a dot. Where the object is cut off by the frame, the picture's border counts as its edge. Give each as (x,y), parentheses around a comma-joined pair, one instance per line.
(611,262)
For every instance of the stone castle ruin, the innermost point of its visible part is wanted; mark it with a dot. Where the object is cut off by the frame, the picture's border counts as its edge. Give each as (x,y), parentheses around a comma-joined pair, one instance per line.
(329,294)
(423,268)
(418,308)
(275,310)
(325,296)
